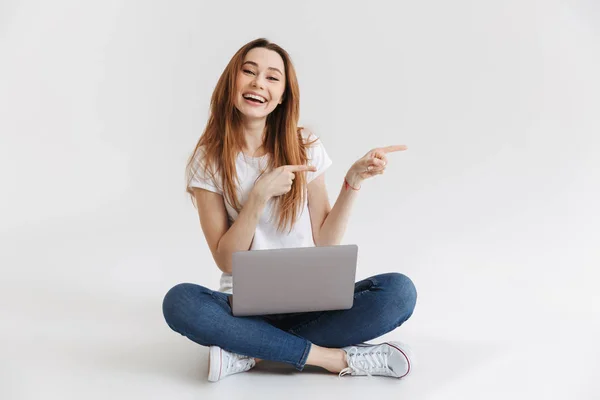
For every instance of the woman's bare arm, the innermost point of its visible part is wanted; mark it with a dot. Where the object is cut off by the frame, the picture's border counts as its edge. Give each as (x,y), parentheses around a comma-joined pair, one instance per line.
(223,240)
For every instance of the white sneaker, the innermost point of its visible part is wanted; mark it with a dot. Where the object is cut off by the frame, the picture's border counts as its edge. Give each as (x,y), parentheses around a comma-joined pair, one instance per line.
(387,359)
(223,363)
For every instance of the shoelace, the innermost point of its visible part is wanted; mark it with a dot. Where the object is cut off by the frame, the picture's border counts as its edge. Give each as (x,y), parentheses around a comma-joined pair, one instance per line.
(375,360)
(239,362)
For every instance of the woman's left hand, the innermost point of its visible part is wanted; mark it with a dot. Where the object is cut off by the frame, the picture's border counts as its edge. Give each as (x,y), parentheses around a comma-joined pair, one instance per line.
(371,164)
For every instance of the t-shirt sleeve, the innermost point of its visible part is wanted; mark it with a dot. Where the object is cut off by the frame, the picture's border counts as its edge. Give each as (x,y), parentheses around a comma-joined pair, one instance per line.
(317,156)
(199,178)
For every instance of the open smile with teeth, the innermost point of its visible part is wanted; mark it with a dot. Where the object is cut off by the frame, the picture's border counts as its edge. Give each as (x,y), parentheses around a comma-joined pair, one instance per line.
(253,97)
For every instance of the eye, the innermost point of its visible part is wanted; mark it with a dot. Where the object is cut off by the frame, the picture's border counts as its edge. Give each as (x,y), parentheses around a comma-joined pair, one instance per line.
(275,79)
(248,71)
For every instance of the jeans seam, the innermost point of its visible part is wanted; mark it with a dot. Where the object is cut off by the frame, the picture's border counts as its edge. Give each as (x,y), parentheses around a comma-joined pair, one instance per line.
(394,326)
(382,331)
(308,323)
(305,324)
(300,365)
(218,298)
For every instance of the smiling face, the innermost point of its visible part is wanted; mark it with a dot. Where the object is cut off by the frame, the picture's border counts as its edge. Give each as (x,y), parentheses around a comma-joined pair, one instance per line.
(260,83)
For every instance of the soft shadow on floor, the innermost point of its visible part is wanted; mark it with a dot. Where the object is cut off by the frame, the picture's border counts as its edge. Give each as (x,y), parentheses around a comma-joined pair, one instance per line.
(129,335)
(438,362)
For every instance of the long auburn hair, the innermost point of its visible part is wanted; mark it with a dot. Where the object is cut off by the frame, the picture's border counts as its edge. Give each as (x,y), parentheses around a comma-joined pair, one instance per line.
(222,138)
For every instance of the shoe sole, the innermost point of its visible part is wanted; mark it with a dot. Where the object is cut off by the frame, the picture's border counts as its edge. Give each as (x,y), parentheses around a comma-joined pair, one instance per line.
(402,348)
(215,363)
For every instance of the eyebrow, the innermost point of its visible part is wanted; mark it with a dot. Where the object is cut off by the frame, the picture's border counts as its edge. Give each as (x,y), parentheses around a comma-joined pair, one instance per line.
(256,65)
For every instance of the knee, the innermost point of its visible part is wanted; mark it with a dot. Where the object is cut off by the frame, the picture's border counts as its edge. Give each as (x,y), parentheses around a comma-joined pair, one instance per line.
(177,304)
(402,291)
(192,311)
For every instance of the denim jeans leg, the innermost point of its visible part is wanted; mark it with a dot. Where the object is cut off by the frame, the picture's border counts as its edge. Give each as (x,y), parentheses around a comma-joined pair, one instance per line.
(205,317)
(381,304)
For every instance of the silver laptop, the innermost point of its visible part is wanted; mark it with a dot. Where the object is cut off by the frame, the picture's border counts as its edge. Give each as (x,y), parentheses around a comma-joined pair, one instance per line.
(290,280)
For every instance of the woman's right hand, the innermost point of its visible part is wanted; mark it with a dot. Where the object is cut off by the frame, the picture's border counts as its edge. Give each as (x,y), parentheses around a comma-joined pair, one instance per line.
(279,181)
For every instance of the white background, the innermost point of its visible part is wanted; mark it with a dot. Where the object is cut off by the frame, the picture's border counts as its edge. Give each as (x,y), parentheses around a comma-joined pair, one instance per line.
(492,210)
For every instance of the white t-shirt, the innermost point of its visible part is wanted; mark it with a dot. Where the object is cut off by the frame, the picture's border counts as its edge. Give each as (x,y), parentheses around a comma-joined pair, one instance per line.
(266,235)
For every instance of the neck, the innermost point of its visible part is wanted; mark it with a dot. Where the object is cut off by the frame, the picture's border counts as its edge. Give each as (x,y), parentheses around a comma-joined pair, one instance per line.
(254,131)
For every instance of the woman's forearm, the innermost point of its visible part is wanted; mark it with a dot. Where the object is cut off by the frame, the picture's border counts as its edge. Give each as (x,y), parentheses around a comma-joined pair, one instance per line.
(334,227)
(240,234)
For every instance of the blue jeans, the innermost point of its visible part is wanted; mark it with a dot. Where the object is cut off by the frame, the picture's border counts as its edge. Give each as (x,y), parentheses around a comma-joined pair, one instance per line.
(381,304)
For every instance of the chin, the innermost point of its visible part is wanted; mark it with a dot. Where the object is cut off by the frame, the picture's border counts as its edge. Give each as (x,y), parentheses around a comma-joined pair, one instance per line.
(254,113)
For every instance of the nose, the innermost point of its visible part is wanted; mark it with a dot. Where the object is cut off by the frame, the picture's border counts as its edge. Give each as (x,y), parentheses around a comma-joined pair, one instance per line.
(257,82)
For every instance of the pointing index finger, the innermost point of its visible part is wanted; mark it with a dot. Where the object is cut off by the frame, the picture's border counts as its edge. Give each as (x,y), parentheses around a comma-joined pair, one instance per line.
(299,168)
(397,147)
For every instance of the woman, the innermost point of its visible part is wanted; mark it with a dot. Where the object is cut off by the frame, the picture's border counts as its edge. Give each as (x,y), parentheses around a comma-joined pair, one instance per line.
(257,181)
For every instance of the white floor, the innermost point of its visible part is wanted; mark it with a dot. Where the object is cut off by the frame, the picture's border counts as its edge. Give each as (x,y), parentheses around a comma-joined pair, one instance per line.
(102,357)
(83,320)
